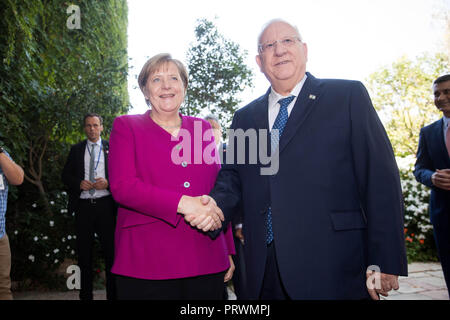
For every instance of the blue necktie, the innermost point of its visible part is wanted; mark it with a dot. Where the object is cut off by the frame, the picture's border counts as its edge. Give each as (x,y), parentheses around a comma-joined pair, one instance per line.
(280,123)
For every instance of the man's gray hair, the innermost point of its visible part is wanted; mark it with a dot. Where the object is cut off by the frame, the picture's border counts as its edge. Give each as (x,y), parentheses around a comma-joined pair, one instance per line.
(211,117)
(267,24)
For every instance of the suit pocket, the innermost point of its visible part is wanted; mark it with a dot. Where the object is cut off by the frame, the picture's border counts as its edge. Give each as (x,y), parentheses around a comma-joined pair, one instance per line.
(132,219)
(348,220)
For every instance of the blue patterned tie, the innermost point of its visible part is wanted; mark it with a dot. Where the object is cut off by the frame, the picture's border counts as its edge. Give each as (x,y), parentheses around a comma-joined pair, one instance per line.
(280,123)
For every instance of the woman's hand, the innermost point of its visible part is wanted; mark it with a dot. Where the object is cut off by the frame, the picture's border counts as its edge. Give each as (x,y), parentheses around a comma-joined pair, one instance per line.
(203,214)
(230,271)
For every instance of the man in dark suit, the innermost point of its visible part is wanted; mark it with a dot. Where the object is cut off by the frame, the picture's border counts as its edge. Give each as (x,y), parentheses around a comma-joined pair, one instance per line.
(236,223)
(433,170)
(86,176)
(331,205)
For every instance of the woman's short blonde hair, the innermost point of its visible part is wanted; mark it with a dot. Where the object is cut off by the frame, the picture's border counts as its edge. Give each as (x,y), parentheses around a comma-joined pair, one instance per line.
(154,63)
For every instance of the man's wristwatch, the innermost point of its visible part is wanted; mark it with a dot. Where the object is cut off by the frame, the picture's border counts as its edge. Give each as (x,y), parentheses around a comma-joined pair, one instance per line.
(1,149)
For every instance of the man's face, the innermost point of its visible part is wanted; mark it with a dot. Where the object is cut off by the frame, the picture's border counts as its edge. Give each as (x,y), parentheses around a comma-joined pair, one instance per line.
(93,128)
(441,93)
(282,63)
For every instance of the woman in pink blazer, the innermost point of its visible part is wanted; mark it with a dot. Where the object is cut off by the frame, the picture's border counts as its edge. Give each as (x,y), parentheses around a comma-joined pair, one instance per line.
(160,164)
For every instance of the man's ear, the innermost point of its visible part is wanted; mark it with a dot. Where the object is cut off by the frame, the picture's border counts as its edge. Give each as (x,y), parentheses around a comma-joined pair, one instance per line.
(259,62)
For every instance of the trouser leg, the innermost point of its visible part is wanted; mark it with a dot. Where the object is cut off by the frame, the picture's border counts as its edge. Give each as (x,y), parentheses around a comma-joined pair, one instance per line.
(5,269)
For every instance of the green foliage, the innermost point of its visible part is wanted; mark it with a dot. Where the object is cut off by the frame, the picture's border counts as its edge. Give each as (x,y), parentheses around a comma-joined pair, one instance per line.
(50,76)
(419,237)
(217,74)
(402,94)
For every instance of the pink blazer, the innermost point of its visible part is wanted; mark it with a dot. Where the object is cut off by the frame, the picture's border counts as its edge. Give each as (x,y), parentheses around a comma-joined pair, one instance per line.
(153,241)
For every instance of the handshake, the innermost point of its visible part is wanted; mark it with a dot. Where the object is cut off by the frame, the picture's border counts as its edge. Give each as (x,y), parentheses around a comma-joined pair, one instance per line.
(201,212)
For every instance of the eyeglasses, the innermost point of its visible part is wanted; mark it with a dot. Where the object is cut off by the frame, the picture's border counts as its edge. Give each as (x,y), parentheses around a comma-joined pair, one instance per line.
(285,42)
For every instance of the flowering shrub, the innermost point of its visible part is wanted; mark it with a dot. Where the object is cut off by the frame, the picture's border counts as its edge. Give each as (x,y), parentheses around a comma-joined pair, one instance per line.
(41,243)
(418,229)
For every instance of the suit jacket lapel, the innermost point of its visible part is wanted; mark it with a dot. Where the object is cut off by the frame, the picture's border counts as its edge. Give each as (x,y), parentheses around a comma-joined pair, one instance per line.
(80,159)
(261,112)
(438,136)
(303,106)
(105,148)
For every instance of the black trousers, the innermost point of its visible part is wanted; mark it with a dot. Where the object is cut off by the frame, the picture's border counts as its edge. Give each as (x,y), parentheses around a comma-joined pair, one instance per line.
(239,277)
(206,287)
(96,216)
(441,228)
(272,288)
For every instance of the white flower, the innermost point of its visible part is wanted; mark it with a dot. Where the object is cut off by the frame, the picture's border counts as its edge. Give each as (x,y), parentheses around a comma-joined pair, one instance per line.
(69,237)
(63,239)
(45,238)
(47,255)
(64,193)
(16,232)
(72,252)
(52,202)
(51,223)
(56,261)
(34,205)
(56,251)
(35,238)
(31,257)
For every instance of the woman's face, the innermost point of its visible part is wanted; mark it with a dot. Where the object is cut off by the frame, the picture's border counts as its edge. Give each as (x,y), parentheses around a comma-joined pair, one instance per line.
(165,89)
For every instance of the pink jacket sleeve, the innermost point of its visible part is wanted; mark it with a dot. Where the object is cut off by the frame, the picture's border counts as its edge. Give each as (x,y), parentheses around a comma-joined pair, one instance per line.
(127,188)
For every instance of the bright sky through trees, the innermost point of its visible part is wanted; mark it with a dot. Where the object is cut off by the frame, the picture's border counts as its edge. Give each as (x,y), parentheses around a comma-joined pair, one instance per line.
(346,39)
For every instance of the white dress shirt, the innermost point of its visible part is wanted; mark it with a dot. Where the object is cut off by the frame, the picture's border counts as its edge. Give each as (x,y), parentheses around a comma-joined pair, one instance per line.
(446,124)
(274,97)
(99,171)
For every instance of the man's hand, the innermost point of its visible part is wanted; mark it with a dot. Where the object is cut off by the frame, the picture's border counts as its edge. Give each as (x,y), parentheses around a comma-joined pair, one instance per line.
(380,283)
(86,185)
(100,184)
(441,179)
(201,212)
(238,233)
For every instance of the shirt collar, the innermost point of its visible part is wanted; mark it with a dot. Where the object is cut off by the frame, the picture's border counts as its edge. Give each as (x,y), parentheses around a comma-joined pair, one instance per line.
(446,121)
(295,92)
(98,143)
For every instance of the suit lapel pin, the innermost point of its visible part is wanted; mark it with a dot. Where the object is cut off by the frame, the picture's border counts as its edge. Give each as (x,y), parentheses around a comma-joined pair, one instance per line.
(312,97)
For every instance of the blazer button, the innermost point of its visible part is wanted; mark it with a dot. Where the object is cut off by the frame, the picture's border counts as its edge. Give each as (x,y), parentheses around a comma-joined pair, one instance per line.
(184,164)
(187,184)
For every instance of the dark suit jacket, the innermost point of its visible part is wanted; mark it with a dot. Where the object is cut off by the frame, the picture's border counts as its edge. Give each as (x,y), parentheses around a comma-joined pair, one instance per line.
(431,155)
(73,172)
(336,200)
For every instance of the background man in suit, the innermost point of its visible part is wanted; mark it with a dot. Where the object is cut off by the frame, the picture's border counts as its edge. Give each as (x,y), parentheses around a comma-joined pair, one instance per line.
(236,223)
(334,207)
(86,176)
(433,170)
(13,174)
